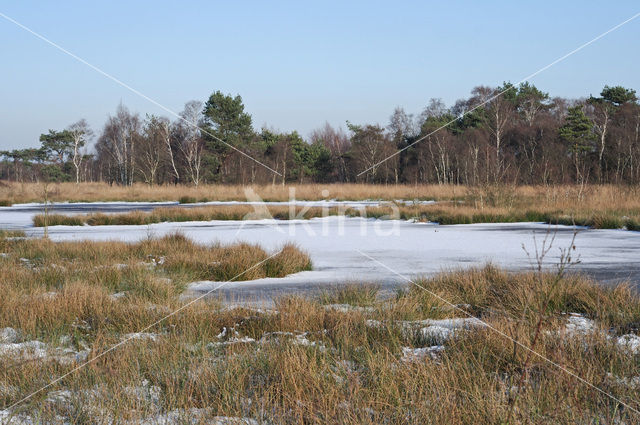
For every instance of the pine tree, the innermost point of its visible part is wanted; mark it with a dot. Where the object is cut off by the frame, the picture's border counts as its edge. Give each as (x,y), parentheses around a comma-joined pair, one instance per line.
(577,132)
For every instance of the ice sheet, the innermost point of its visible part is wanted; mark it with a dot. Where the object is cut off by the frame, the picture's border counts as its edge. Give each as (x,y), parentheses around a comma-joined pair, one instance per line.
(339,246)
(20,216)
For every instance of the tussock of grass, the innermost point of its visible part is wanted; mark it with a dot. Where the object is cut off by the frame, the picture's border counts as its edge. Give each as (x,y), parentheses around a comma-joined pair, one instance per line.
(11,233)
(289,260)
(40,220)
(152,269)
(354,294)
(491,291)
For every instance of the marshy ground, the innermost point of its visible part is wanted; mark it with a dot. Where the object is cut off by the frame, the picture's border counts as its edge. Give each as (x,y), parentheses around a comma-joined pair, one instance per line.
(480,345)
(341,356)
(598,206)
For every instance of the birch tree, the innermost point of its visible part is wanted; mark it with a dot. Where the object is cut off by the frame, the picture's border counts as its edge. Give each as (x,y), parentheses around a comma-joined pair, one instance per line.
(80,133)
(118,142)
(190,138)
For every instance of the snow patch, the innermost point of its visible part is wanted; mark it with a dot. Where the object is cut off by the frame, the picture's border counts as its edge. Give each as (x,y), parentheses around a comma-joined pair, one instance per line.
(577,324)
(8,418)
(420,354)
(231,341)
(630,342)
(144,392)
(345,308)
(191,416)
(439,330)
(37,350)
(30,350)
(442,330)
(141,336)
(633,382)
(117,295)
(9,335)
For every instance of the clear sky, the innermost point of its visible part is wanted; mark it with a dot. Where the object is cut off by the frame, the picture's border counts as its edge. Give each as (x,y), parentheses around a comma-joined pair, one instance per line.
(297,64)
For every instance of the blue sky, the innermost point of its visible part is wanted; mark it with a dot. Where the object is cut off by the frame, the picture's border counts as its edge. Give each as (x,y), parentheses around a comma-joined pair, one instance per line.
(297,64)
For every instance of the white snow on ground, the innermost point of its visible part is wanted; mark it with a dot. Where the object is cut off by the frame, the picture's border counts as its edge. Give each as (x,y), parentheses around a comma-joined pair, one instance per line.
(633,382)
(231,341)
(9,335)
(630,342)
(421,354)
(438,330)
(29,350)
(299,338)
(118,295)
(578,326)
(344,308)
(442,330)
(192,416)
(7,418)
(145,393)
(11,346)
(173,417)
(411,249)
(140,336)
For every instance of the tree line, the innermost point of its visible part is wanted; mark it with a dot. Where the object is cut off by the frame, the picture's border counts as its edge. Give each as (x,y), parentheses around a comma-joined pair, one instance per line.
(507,134)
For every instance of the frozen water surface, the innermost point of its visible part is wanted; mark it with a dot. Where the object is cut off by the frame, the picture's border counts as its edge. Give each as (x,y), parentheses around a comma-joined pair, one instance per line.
(19,216)
(339,247)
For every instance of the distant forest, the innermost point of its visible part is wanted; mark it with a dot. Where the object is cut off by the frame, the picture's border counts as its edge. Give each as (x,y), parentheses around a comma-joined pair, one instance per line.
(521,136)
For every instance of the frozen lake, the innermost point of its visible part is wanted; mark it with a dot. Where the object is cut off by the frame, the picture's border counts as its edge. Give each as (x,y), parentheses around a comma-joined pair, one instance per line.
(339,248)
(20,216)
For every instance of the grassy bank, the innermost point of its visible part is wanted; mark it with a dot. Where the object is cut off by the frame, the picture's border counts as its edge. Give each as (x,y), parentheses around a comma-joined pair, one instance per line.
(444,213)
(12,193)
(598,206)
(176,214)
(344,356)
(611,218)
(591,197)
(152,268)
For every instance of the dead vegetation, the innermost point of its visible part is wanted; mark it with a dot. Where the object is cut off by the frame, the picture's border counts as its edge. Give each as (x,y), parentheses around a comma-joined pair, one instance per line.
(602,207)
(93,192)
(344,356)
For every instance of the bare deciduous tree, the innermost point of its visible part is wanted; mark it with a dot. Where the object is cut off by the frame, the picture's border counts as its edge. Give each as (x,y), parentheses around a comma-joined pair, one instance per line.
(118,143)
(190,138)
(337,142)
(80,133)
